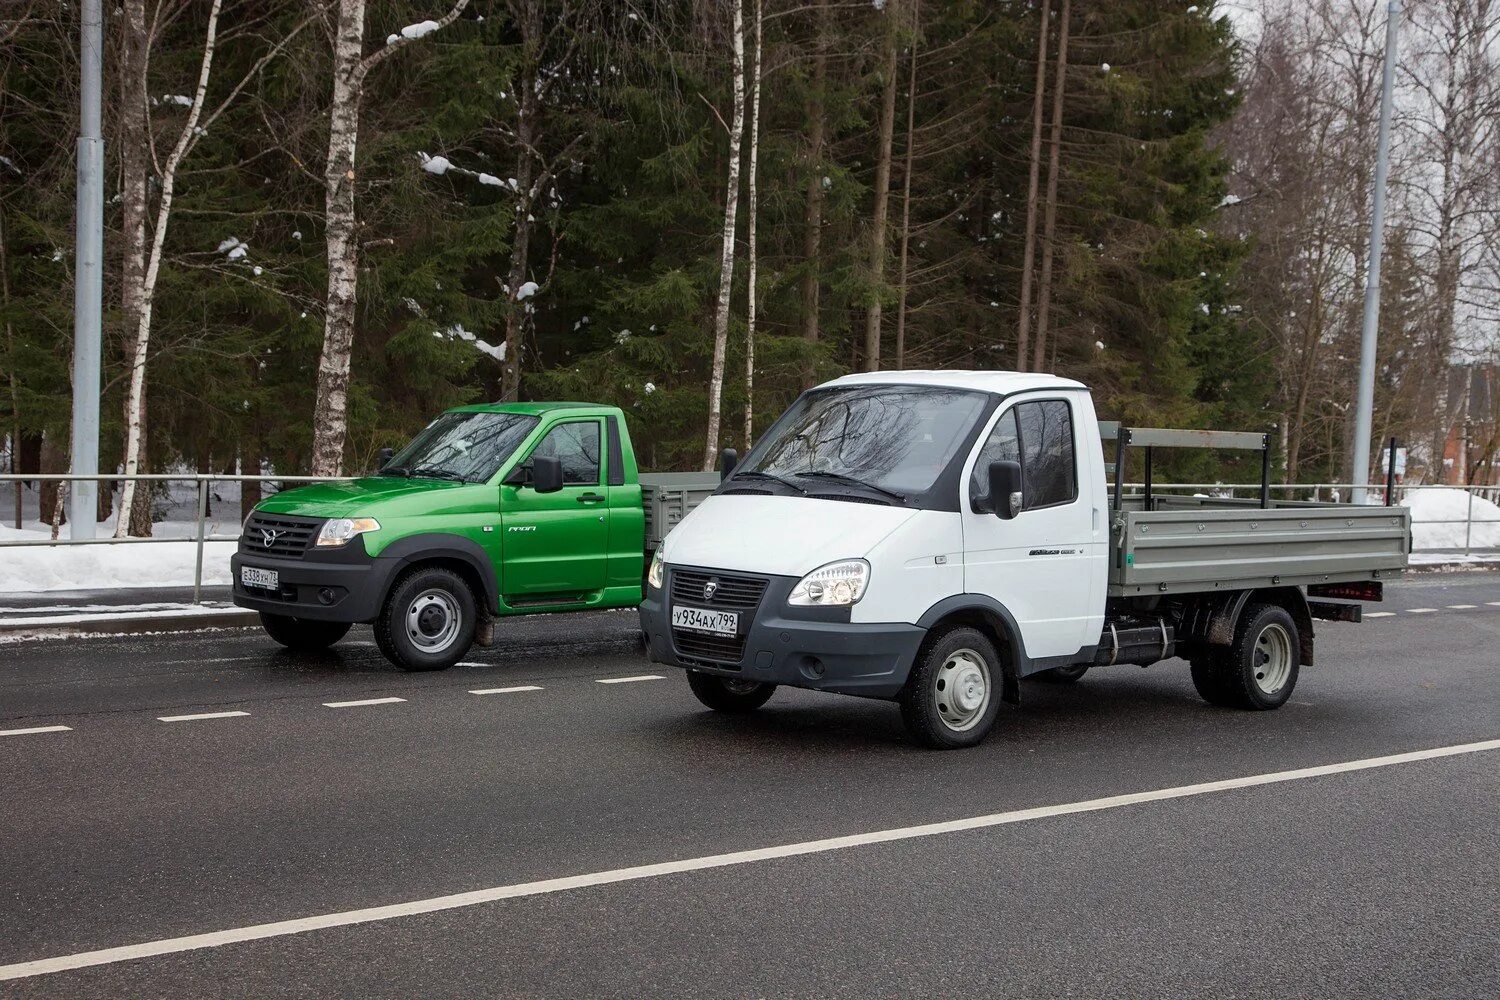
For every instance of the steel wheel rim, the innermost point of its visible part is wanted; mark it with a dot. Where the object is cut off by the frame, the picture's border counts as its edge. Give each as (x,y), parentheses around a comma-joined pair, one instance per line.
(432,620)
(961,689)
(1273,659)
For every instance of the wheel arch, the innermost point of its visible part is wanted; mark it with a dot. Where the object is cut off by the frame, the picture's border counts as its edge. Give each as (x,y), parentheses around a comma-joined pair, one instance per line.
(993,619)
(1225,621)
(452,552)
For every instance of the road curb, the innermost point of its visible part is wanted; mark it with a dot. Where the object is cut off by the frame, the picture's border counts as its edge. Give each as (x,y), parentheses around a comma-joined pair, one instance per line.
(133,623)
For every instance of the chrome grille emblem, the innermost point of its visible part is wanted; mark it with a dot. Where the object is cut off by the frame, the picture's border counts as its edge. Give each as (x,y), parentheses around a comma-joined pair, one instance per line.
(269,537)
(710,589)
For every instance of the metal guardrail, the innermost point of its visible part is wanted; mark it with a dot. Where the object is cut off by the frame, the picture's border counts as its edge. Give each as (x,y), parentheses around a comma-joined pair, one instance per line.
(203,482)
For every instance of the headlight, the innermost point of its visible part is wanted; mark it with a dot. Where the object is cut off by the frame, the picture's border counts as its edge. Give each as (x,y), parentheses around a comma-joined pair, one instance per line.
(658,568)
(839,584)
(339,530)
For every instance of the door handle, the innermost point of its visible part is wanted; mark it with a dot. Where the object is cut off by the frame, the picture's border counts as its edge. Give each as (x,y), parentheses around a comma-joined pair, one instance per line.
(590,498)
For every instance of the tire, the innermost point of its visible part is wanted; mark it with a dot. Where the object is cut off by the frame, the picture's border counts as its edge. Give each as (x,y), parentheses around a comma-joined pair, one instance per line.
(725,694)
(304,634)
(1259,670)
(1071,674)
(428,620)
(953,694)
(1208,678)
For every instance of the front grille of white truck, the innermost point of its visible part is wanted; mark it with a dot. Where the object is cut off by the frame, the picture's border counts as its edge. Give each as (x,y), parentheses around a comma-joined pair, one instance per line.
(728,592)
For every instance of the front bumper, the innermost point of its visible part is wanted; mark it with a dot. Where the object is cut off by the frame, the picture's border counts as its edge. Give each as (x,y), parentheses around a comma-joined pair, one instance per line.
(348,587)
(797,647)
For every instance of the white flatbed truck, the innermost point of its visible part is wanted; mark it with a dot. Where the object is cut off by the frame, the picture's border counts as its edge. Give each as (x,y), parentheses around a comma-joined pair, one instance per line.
(934,537)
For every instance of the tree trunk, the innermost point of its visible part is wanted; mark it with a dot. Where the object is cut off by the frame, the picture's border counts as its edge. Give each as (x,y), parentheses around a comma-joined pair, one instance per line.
(911,141)
(331,411)
(10,349)
(50,494)
(726,254)
(520,250)
(1028,261)
(882,195)
(1054,165)
(750,212)
(812,236)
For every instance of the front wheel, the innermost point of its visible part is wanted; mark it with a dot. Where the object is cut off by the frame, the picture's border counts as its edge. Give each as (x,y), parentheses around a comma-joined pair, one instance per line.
(725,694)
(428,620)
(303,634)
(953,694)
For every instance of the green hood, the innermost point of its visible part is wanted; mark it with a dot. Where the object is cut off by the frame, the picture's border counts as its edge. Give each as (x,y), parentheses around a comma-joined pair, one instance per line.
(369,497)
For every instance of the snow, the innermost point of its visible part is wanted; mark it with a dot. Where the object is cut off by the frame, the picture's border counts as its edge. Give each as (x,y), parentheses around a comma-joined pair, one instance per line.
(256,270)
(419,30)
(436,164)
(297,234)
(229,244)
(11,164)
(180,100)
(457,332)
(1104,68)
(1439,514)
(1230,199)
(527,290)
(491,180)
(650,387)
(238,252)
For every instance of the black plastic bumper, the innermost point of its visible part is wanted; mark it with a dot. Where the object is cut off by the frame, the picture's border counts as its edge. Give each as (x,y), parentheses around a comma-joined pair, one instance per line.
(349,588)
(825,655)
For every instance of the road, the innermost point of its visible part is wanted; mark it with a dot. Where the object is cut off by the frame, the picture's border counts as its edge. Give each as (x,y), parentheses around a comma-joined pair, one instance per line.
(1375,878)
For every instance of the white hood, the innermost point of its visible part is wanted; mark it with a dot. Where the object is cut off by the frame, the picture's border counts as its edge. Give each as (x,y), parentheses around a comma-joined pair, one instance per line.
(778,535)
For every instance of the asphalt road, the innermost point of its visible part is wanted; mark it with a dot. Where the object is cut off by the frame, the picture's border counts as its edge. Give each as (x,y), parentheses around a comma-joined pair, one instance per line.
(122,829)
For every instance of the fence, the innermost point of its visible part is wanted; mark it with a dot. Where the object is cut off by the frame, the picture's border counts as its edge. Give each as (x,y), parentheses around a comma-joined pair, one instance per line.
(203,486)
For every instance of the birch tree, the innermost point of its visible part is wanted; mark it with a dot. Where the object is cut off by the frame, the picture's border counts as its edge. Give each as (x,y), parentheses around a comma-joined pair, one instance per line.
(812,223)
(750,221)
(902,280)
(350,68)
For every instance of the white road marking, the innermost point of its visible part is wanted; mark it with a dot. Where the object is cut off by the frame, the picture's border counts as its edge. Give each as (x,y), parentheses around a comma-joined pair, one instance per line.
(36,729)
(509,690)
(629,680)
(1420,611)
(301,925)
(470,663)
(200,715)
(365,701)
(1380,614)
(1463,607)
(1493,604)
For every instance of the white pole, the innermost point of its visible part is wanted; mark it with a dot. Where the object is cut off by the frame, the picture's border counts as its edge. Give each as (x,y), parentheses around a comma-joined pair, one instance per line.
(88,277)
(1364,414)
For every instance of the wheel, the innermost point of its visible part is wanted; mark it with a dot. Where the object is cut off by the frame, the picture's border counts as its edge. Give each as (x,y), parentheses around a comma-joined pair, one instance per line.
(1070,674)
(428,620)
(953,693)
(302,633)
(725,694)
(1258,671)
(1208,678)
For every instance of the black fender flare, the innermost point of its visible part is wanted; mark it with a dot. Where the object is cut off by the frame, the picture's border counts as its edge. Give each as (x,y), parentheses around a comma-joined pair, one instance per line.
(438,545)
(1016,664)
(1226,619)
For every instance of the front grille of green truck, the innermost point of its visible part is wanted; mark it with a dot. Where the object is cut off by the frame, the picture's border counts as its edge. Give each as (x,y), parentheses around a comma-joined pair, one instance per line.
(278,534)
(716,592)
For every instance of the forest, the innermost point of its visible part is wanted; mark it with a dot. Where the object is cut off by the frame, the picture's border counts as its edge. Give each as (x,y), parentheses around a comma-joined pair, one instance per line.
(326,220)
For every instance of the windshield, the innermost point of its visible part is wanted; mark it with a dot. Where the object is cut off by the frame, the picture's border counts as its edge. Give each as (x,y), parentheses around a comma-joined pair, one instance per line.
(462,446)
(890,439)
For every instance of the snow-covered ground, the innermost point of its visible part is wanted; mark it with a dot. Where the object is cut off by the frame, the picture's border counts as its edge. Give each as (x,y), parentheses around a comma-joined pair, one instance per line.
(1439,516)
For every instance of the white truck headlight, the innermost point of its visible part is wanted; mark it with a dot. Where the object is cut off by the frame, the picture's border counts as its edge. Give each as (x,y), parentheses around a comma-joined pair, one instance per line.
(838,584)
(657,571)
(339,530)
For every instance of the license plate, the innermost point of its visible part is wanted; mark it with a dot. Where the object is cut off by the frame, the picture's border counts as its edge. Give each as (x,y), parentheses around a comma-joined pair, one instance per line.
(699,620)
(254,576)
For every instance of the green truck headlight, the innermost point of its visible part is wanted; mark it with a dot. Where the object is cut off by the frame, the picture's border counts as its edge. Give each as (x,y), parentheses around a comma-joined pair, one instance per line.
(339,530)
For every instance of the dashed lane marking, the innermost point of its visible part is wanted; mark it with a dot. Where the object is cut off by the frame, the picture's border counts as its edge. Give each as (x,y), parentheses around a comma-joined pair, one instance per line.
(361,702)
(1462,607)
(1420,611)
(199,716)
(1380,614)
(435,904)
(510,690)
(34,730)
(629,680)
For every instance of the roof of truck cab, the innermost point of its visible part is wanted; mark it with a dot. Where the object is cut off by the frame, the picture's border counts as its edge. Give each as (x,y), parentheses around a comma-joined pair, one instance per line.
(530,409)
(985,381)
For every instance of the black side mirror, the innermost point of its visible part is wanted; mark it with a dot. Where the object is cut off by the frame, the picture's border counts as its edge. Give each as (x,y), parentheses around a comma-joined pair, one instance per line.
(546,474)
(1005,489)
(386,454)
(728,459)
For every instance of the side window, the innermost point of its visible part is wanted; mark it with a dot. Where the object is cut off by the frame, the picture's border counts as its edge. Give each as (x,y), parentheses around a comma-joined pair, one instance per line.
(1003,445)
(1049,468)
(576,445)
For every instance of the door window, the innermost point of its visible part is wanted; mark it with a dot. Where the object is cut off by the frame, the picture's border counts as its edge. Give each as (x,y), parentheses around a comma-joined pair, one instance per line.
(1039,435)
(576,446)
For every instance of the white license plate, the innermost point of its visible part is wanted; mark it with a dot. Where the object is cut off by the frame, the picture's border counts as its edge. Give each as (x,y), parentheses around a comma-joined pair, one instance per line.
(254,576)
(699,620)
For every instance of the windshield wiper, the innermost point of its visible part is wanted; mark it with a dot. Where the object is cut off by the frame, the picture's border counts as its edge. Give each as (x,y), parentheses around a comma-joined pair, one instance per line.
(852,481)
(433,472)
(757,474)
(394,470)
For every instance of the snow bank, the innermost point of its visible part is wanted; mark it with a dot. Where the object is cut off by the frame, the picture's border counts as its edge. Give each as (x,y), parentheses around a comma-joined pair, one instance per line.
(128,564)
(1438,516)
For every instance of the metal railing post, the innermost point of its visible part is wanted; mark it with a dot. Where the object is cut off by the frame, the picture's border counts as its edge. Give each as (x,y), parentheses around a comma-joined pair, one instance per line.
(202,516)
(1469,524)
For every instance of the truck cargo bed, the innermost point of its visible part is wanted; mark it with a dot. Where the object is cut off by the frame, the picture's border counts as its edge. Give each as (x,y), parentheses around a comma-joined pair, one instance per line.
(1195,544)
(667,498)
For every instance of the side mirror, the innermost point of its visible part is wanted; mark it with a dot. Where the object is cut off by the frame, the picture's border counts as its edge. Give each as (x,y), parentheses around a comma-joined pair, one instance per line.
(386,454)
(1005,489)
(728,459)
(546,474)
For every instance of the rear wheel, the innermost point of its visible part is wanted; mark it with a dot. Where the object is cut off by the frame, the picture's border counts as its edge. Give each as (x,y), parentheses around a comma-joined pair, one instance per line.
(1064,675)
(1259,670)
(953,694)
(726,694)
(302,633)
(428,620)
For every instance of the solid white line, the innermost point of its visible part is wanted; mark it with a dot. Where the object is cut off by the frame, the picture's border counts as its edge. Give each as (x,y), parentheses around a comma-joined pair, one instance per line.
(1420,611)
(36,729)
(357,704)
(1380,614)
(629,680)
(1463,607)
(281,928)
(201,715)
(509,690)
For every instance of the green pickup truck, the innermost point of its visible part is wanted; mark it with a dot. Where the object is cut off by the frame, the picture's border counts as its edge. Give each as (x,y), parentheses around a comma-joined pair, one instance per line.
(492,510)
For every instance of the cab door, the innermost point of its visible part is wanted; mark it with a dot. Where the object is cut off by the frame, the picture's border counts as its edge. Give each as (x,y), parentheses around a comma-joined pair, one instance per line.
(1040,563)
(554,546)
